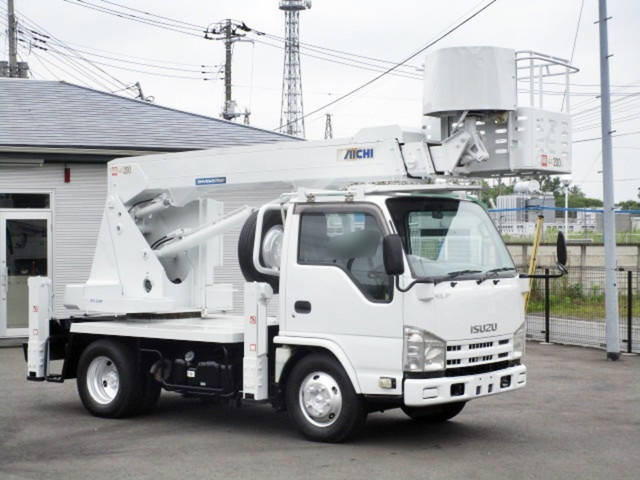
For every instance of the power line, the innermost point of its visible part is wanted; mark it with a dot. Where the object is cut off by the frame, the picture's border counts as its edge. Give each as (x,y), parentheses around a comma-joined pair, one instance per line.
(194,26)
(637,132)
(354,65)
(391,69)
(44,62)
(199,27)
(315,48)
(105,76)
(48,34)
(573,47)
(135,18)
(131,69)
(325,50)
(627,118)
(126,55)
(140,63)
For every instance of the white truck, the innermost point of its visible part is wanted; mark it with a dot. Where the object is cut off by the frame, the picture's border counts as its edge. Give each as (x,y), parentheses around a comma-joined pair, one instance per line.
(393,287)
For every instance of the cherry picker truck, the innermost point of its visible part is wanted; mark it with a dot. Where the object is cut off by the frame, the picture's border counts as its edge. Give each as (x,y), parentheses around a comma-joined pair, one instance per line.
(373,280)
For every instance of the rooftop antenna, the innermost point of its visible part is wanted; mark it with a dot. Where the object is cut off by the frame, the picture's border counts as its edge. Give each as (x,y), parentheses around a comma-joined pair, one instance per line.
(291,111)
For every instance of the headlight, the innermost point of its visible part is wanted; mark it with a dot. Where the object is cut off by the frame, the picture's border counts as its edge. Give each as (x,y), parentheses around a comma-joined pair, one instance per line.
(519,342)
(422,351)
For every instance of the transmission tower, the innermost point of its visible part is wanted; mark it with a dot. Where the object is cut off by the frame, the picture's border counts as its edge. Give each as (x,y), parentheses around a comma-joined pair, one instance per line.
(328,129)
(291,111)
(228,31)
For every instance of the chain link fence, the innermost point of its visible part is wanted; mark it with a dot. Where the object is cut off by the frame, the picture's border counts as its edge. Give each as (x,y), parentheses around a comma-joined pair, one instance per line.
(571,309)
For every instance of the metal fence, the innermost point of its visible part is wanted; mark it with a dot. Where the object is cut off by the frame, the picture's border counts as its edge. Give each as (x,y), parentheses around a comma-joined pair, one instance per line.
(571,309)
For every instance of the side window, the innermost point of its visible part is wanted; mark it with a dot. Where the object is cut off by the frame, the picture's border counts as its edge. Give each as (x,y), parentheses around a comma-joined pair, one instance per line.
(350,241)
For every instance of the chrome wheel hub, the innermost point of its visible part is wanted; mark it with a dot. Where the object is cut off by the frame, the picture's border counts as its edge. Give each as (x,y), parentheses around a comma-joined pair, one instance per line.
(103,380)
(320,399)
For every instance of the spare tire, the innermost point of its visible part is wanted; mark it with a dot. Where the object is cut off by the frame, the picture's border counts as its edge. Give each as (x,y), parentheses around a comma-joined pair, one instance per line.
(245,248)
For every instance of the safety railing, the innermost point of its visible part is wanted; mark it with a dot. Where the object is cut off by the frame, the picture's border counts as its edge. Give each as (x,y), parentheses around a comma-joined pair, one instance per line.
(571,309)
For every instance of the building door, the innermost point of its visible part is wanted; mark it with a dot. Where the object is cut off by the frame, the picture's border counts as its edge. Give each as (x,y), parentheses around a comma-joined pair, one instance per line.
(25,251)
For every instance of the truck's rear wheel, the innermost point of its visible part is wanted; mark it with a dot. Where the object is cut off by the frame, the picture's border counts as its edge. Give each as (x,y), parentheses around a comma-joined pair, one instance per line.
(435,413)
(108,381)
(321,400)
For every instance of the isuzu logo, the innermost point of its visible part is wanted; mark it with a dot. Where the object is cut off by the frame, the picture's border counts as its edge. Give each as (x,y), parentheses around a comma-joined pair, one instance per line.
(484,328)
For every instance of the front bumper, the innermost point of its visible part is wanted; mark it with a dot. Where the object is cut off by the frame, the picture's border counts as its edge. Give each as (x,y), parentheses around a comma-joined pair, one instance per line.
(420,392)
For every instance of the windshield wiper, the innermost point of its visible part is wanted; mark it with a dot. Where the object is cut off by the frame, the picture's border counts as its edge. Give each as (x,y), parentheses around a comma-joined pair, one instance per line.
(500,269)
(488,273)
(462,272)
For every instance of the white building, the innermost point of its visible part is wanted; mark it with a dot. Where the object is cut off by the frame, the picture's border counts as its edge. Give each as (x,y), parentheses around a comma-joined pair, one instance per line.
(55,140)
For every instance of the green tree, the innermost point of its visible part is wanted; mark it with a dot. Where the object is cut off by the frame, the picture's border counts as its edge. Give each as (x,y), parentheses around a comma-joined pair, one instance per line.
(577,198)
(629,205)
(491,192)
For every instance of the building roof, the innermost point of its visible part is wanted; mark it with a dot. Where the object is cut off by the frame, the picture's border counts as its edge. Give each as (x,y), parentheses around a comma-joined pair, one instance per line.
(60,115)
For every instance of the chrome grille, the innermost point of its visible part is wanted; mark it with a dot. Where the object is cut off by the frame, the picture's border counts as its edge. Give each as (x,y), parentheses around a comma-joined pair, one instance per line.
(474,352)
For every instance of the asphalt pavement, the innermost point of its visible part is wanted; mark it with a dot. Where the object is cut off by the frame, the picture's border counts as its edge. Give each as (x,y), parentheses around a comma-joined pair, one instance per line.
(578,418)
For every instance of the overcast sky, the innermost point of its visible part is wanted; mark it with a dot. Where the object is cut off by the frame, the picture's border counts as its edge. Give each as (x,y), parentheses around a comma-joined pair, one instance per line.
(380,29)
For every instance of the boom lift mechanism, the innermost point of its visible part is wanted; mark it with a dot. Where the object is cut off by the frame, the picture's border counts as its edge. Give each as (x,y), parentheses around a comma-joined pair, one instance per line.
(159,240)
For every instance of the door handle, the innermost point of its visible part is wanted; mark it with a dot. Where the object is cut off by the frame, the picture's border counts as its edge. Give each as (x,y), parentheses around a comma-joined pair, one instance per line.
(302,306)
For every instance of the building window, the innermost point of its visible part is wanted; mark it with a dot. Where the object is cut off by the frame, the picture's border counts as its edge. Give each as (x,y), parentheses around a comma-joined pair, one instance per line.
(24,200)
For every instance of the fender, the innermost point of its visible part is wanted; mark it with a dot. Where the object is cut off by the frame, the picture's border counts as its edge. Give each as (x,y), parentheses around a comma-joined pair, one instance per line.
(329,345)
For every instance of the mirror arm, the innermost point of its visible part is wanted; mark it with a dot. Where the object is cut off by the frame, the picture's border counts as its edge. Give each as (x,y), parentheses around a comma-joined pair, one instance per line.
(410,286)
(559,266)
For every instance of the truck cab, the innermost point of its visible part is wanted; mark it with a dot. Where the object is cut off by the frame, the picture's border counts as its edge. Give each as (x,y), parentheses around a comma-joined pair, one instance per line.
(446,326)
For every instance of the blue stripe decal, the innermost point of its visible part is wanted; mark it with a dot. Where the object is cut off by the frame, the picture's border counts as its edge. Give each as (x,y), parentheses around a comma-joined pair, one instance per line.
(211,180)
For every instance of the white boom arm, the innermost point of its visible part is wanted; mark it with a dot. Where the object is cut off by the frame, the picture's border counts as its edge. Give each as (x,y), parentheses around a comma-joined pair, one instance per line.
(151,254)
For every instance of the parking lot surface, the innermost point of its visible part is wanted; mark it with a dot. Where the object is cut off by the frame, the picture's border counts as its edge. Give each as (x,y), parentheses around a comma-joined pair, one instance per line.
(578,417)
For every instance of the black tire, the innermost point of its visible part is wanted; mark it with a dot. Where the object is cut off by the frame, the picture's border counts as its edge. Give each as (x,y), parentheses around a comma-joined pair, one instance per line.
(130,389)
(435,413)
(245,248)
(350,418)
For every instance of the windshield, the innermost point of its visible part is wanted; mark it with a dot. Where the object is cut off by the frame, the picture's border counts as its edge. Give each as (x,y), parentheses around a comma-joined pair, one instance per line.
(449,238)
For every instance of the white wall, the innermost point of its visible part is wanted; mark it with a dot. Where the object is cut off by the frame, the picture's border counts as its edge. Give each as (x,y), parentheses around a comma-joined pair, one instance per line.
(77,210)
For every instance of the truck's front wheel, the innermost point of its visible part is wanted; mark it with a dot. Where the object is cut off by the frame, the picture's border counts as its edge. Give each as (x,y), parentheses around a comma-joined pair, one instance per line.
(435,413)
(321,400)
(108,383)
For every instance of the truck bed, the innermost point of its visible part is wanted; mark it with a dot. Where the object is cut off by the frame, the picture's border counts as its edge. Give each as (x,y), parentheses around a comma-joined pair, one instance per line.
(222,328)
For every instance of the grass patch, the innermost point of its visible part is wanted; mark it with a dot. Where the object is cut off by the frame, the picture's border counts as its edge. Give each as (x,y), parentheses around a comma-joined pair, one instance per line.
(575,301)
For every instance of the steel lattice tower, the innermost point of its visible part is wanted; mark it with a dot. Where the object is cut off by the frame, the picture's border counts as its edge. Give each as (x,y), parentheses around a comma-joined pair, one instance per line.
(328,129)
(291,111)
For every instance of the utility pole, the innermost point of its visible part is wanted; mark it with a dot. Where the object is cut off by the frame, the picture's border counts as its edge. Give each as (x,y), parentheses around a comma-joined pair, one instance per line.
(227,31)
(328,129)
(13,40)
(227,113)
(13,68)
(608,213)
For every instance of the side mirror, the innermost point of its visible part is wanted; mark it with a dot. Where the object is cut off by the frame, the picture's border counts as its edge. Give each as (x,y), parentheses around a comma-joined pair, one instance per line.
(392,254)
(561,252)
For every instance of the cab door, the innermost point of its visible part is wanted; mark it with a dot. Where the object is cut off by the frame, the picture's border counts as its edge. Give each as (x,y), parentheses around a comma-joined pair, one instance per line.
(336,288)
